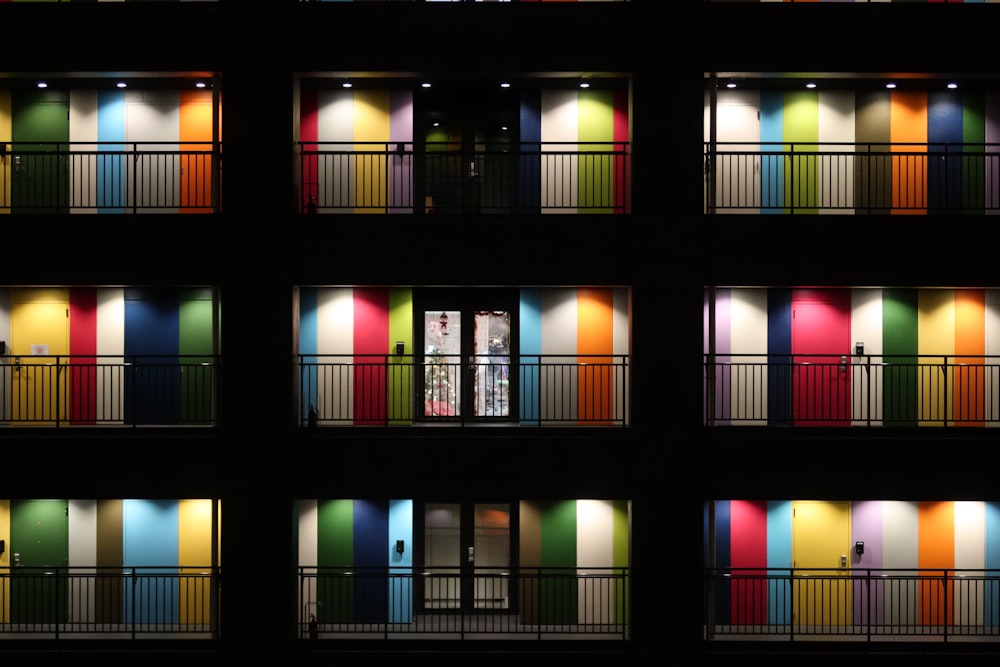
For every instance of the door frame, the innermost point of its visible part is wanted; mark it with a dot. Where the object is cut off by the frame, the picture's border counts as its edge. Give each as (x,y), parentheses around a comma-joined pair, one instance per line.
(466,541)
(467,302)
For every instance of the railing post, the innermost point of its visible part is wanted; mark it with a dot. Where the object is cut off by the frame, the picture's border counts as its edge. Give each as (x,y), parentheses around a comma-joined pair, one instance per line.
(944,394)
(868,594)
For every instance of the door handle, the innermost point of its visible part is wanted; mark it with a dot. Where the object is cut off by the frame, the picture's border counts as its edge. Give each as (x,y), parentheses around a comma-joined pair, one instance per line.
(472,554)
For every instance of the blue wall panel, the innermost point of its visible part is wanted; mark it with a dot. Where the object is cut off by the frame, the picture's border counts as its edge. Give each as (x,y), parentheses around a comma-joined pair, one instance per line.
(149,529)
(111,135)
(371,548)
(530,324)
(152,343)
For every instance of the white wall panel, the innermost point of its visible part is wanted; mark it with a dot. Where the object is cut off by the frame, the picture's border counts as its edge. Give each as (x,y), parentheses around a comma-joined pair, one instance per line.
(748,338)
(595,526)
(83,135)
(900,549)
(82,555)
(111,342)
(993,348)
(308,530)
(335,336)
(335,120)
(558,383)
(622,345)
(970,554)
(559,123)
(153,123)
(836,173)
(866,380)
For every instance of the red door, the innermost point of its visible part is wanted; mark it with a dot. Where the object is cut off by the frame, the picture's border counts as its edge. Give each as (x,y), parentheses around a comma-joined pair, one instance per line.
(821,340)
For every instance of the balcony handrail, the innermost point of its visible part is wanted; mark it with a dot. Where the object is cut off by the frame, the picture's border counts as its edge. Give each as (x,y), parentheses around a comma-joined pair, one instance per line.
(62,390)
(439,177)
(112,602)
(850,603)
(451,389)
(850,389)
(456,602)
(110,176)
(855,177)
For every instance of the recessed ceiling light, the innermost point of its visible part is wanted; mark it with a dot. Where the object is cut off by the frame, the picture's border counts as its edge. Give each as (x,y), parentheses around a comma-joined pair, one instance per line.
(505,85)
(42,84)
(200,84)
(890,85)
(425,84)
(121,84)
(347,84)
(953,86)
(436,124)
(584,84)
(731,84)
(810,85)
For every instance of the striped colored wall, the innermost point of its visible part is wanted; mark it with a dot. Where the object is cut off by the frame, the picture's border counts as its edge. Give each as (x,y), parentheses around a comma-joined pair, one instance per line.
(119,120)
(895,324)
(555,535)
(352,535)
(339,325)
(361,120)
(579,121)
(557,325)
(823,120)
(105,535)
(105,324)
(342,534)
(921,537)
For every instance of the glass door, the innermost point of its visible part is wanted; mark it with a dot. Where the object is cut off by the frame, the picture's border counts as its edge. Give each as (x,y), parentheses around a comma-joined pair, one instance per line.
(468,366)
(466,556)
(470,136)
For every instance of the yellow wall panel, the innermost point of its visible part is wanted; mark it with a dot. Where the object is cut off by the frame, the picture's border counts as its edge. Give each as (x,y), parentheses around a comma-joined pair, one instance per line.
(935,336)
(194,548)
(371,123)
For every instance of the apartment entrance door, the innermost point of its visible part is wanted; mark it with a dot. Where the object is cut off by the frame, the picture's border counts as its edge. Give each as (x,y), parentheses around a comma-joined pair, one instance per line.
(39,545)
(40,171)
(822,588)
(468,367)
(470,139)
(39,335)
(466,557)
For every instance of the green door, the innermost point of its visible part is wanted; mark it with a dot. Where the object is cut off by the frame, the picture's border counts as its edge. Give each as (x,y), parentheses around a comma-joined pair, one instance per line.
(40,143)
(39,546)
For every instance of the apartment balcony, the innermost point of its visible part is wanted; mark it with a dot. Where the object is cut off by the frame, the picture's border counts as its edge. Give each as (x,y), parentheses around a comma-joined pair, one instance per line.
(442,178)
(171,602)
(852,604)
(127,603)
(102,177)
(526,603)
(451,390)
(852,178)
(100,390)
(851,390)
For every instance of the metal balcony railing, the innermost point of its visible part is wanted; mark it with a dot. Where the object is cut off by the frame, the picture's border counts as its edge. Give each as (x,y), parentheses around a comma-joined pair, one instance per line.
(451,602)
(861,604)
(403,177)
(852,178)
(399,390)
(851,390)
(103,390)
(109,602)
(103,177)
